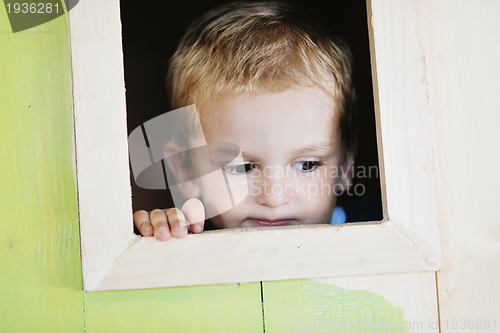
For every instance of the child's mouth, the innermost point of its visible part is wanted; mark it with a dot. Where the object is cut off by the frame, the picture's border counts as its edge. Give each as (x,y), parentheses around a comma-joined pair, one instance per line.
(270,223)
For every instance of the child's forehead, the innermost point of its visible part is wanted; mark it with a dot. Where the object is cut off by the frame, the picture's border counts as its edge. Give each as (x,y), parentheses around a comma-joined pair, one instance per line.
(273,105)
(297,116)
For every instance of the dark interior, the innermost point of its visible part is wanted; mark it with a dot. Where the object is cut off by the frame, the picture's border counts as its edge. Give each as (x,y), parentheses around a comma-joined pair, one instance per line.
(151,32)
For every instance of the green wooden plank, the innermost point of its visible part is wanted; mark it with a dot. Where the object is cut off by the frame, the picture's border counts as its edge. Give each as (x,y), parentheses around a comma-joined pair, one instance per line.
(217,308)
(298,305)
(40,270)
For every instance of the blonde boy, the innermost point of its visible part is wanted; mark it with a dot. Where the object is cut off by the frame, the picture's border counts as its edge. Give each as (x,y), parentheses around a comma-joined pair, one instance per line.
(279,87)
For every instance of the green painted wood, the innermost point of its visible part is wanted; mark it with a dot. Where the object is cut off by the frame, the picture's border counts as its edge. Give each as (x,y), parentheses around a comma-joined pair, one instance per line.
(40,274)
(305,305)
(217,308)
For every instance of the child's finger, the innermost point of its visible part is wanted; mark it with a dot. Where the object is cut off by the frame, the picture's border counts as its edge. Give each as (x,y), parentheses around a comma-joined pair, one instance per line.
(142,223)
(177,222)
(160,224)
(195,213)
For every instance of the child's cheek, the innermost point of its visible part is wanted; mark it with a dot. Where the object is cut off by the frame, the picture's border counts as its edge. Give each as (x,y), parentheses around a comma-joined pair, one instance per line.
(214,194)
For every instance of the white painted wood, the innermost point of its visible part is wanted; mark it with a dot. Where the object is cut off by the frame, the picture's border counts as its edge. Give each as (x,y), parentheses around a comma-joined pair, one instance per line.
(101,134)
(114,258)
(403,113)
(461,45)
(277,253)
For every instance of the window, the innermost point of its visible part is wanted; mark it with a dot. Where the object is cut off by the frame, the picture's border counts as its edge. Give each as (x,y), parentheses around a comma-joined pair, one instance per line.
(113,257)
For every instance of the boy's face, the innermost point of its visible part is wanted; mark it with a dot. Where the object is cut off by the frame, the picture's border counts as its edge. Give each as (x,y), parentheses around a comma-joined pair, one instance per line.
(291,148)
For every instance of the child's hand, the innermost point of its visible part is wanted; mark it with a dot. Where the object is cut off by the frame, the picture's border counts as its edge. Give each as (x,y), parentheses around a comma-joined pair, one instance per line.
(164,223)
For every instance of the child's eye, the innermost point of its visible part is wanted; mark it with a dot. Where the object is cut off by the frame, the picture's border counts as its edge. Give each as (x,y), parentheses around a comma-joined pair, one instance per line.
(239,169)
(307,166)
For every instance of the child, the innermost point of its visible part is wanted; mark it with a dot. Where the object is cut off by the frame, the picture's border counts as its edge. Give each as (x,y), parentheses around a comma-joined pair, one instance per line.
(279,87)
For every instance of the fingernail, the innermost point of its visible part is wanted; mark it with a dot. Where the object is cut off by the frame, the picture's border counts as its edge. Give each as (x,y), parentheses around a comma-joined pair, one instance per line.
(178,228)
(163,230)
(147,229)
(197,228)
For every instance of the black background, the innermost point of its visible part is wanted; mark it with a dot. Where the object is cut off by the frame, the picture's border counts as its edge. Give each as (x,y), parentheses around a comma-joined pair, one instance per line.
(151,32)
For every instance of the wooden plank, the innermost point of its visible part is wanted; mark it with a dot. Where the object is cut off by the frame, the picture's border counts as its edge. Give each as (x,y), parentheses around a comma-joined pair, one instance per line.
(415,293)
(101,134)
(371,303)
(40,274)
(219,308)
(461,48)
(402,114)
(263,254)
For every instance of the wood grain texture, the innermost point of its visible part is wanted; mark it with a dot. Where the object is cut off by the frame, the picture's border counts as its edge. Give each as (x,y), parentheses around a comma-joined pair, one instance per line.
(40,274)
(232,256)
(297,305)
(415,293)
(402,114)
(462,51)
(101,134)
(219,308)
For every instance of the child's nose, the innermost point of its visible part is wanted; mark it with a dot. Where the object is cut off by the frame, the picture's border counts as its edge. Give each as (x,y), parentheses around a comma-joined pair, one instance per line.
(273,192)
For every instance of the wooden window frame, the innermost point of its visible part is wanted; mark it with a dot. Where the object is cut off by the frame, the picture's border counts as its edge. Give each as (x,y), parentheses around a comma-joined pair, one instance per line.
(113,257)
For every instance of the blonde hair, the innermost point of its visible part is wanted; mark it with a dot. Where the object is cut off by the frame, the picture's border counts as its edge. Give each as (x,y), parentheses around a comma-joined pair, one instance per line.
(260,48)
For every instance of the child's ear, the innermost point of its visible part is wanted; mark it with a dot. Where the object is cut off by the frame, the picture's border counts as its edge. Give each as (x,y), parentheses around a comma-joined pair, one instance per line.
(180,170)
